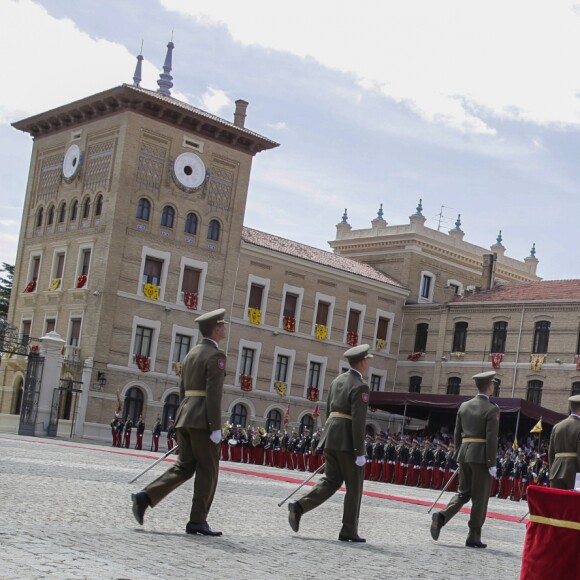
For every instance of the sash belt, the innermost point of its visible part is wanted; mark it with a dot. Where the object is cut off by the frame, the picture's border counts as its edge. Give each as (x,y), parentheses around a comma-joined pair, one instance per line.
(555,522)
(193,393)
(338,415)
(566,454)
(473,440)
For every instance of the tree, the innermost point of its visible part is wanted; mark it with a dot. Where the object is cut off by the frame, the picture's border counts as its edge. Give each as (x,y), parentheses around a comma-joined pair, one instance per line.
(5,288)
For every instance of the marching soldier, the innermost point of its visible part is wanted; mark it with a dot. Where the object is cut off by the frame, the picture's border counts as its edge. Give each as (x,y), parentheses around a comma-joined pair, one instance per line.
(451,468)
(119,431)
(427,461)
(128,427)
(389,460)
(171,435)
(114,431)
(344,446)
(140,431)
(564,450)
(476,431)
(414,464)
(520,476)
(156,433)
(507,476)
(439,465)
(198,425)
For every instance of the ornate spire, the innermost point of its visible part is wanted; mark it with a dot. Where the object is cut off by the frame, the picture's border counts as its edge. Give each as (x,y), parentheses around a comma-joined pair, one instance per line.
(344,217)
(165,78)
(499,240)
(533,252)
(420,208)
(380,212)
(137,76)
(457,227)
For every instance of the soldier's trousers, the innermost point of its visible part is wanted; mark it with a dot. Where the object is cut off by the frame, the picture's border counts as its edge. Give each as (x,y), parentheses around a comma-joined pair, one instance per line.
(339,468)
(474,485)
(197,455)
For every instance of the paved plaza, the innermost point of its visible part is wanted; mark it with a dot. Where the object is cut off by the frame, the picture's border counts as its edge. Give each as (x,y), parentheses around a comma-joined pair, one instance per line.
(65,513)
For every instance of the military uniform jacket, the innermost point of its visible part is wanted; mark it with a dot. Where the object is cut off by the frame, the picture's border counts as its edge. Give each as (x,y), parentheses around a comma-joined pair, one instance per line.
(477,418)
(565,438)
(203,370)
(347,394)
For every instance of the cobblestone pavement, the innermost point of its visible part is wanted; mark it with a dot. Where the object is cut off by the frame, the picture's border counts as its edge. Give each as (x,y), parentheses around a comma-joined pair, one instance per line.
(65,513)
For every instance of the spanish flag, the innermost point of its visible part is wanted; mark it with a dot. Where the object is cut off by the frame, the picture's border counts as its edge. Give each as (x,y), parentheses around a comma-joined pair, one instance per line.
(515,443)
(537,428)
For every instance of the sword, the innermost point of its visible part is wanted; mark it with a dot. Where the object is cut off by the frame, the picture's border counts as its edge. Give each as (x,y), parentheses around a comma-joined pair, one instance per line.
(300,486)
(523,517)
(154,464)
(443,490)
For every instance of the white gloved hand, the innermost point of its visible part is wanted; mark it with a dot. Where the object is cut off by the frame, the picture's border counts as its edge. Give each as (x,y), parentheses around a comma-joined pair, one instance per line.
(360,460)
(216,436)
(492,471)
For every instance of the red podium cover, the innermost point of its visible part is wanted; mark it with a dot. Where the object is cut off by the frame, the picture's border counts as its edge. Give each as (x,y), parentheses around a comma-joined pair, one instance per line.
(552,544)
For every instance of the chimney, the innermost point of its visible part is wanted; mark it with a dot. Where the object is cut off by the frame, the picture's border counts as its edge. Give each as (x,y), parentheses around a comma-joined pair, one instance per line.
(240,114)
(488,271)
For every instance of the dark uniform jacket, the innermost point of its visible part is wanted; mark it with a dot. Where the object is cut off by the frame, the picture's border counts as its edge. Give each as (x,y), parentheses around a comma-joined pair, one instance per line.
(565,438)
(347,394)
(477,418)
(203,370)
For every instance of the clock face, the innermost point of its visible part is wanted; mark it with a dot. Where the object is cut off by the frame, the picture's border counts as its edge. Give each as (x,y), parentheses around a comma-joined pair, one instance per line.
(72,162)
(189,171)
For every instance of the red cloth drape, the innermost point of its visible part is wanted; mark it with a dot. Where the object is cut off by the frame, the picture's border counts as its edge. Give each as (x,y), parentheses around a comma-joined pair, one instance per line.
(551,550)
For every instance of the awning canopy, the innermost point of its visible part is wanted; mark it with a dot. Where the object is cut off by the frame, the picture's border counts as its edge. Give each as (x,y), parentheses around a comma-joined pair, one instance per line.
(442,409)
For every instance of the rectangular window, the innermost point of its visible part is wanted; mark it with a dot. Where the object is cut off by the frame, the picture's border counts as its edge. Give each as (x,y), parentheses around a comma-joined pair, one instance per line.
(498,337)
(322,313)
(190,279)
(26,327)
(35,267)
(282,368)
(50,325)
(415,384)
(426,286)
(152,271)
(247,361)
(143,339)
(382,328)
(459,337)
(375,382)
(421,333)
(314,374)
(541,337)
(353,320)
(290,303)
(256,293)
(75,331)
(59,265)
(181,347)
(85,262)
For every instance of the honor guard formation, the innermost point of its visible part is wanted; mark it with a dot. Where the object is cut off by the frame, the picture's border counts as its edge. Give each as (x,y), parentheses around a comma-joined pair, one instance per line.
(476,461)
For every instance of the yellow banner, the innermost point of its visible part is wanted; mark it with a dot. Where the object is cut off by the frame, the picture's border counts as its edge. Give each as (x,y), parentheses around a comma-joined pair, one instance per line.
(255,315)
(280,387)
(321,332)
(55,284)
(151,291)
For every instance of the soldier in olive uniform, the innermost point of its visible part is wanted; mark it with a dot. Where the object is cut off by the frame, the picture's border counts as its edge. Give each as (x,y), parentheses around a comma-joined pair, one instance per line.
(475,437)
(198,425)
(564,450)
(343,441)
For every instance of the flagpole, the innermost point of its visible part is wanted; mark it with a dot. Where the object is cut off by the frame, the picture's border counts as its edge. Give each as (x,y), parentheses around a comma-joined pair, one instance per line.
(517,425)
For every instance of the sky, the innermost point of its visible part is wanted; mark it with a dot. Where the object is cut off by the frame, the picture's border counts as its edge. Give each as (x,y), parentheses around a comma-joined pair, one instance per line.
(473,107)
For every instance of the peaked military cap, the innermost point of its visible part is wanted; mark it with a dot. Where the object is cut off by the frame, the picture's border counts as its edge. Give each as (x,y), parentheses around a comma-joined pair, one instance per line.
(216,316)
(358,352)
(574,399)
(484,376)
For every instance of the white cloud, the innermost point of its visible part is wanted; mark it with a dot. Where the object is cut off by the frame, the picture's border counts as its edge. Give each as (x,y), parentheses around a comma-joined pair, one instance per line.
(49,61)
(279,126)
(215,100)
(447,60)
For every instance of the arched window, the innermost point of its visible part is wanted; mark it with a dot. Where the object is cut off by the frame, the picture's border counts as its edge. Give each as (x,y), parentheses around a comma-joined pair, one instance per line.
(74,210)
(421,333)
(169,410)
(19,388)
(499,336)
(133,406)
(541,337)
(239,415)
(415,384)
(143,209)
(39,217)
(99,205)
(274,420)
(453,385)
(50,219)
(307,422)
(459,337)
(167,216)
(62,213)
(534,394)
(213,230)
(191,224)
(87,212)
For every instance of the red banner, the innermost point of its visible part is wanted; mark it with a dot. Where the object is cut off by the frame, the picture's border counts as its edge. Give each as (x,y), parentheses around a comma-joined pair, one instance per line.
(190,300)
(312,394)
(289,323)
(142,362)
(496,358)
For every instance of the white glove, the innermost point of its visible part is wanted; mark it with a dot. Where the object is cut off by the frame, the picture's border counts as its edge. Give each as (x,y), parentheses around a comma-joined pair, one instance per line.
(492,471)
(216,436)
(360,460)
